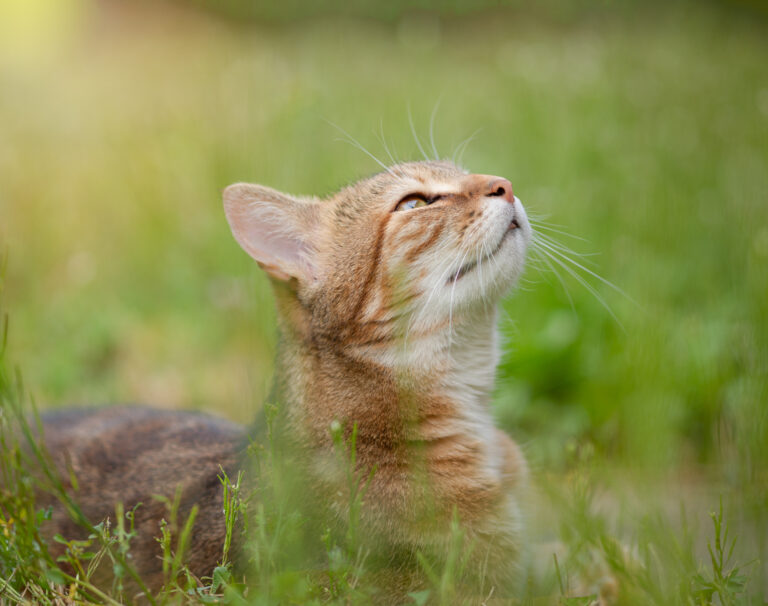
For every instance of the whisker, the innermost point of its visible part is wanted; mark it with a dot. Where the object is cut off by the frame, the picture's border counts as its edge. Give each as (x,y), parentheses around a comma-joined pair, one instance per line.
(540,225)
(542,219)
(453,289)
(383,141)
(354,142)
(586,285)
(448,265)
(415,136)
(556,273)
(526,281)
(462,147)
(494,259)
(479,268)
(432,129)
(562,247)
(590,272)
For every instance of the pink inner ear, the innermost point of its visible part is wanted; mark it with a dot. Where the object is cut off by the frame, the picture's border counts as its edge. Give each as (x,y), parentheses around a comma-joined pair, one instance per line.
(270,231)
(273,242)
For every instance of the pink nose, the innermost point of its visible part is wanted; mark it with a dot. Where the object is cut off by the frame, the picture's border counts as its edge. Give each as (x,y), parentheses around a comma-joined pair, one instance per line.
(500,187)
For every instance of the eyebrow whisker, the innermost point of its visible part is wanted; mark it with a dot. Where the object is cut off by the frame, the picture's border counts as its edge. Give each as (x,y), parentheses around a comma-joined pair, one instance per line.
(415,136)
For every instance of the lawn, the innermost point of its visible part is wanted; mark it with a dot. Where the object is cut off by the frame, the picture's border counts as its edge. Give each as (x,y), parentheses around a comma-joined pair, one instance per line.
(638,387)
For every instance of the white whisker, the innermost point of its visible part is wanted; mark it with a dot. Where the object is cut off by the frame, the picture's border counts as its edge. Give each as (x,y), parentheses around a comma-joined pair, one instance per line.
(583,282)
(553,269)
(432,129)
(453,288)
(539,225)
(590,272)
(383,140)
(443,273)
(462,147)
(415,136)
(562,247)
(354,142)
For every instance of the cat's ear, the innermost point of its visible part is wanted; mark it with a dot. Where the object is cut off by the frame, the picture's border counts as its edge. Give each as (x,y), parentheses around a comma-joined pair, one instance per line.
(274,228)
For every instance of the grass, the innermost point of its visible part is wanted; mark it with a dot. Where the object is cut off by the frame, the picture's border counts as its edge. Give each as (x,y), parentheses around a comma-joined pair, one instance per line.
(643,131)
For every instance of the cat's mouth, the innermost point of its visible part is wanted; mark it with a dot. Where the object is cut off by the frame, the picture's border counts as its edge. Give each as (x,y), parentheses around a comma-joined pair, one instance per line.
(465,269)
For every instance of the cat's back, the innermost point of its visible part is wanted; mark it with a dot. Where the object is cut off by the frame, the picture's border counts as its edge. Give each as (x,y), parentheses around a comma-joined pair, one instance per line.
(132,455)
(138,448)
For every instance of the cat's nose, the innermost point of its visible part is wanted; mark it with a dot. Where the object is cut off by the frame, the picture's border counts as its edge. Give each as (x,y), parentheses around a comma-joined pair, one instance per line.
(500,187)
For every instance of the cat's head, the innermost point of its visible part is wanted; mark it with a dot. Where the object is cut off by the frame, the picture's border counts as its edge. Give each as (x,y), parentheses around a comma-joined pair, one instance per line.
(411,249)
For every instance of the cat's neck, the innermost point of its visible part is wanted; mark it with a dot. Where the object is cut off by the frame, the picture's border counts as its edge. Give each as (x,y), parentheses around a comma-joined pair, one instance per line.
(330,380)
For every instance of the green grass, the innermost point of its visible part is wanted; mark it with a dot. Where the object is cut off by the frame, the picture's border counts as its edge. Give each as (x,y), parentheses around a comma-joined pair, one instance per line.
(643,131)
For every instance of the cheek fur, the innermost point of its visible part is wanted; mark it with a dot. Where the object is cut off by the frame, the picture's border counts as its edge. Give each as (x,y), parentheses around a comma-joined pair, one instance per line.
(467,223)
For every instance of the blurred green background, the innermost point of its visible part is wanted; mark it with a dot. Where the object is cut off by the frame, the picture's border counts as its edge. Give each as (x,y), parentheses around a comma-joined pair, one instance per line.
(641,128)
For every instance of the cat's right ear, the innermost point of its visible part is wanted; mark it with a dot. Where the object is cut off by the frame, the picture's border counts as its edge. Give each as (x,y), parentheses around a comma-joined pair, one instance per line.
(275,229)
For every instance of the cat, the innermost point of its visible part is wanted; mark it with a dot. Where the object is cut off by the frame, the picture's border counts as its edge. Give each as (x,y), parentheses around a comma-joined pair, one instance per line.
(387,296)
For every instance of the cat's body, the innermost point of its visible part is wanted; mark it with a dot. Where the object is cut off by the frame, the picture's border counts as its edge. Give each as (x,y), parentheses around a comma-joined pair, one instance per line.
(132,455)
(386,296)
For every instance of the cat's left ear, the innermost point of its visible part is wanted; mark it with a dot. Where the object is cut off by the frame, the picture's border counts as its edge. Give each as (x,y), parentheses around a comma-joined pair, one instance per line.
(277,230)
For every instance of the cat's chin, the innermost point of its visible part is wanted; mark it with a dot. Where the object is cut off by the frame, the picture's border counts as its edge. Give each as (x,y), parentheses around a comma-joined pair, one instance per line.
(495,273)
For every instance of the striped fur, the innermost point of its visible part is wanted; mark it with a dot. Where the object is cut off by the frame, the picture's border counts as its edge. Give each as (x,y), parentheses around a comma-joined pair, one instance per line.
(388,320)
(390,325)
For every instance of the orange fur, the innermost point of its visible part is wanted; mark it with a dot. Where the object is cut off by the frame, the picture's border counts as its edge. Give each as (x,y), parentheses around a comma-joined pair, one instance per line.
(388,318)
(361,350)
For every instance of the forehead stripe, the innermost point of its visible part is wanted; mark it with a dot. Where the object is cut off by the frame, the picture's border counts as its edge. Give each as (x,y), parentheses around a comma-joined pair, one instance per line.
(374,265)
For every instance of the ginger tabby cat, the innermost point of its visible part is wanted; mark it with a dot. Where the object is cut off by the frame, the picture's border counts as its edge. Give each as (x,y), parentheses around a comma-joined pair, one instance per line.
(387,298)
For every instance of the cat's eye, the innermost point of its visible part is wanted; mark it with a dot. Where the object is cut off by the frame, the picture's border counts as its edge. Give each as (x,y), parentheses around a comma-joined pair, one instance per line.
(412,201)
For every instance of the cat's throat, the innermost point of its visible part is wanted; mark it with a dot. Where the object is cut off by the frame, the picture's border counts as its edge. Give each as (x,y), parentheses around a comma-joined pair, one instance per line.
(419,411)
